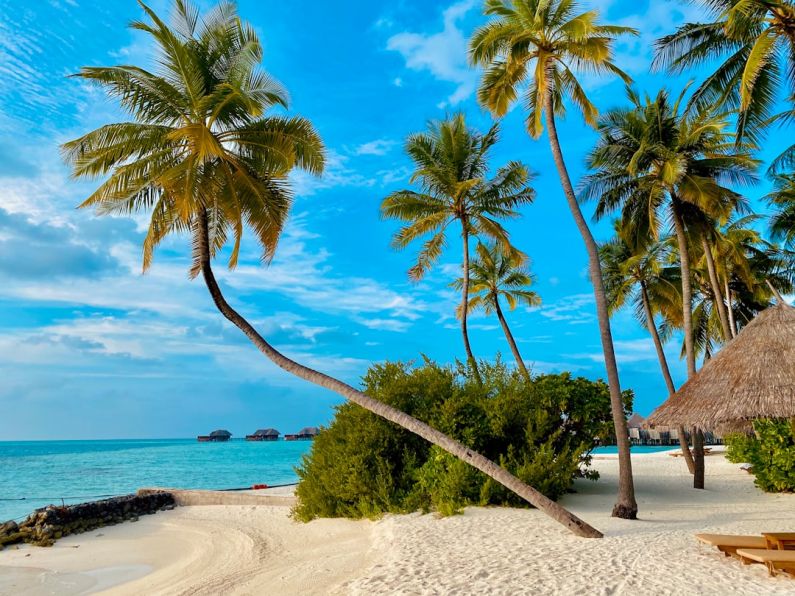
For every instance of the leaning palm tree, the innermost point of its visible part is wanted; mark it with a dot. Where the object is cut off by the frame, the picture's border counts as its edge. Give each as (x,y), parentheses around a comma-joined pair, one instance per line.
(494,275)
(537,46)
(654,161)
(640,275)
(202,158)
(451,166)
(756,39)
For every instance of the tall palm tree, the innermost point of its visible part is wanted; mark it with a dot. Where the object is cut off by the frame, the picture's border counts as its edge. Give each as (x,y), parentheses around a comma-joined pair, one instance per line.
(639,274)
(653,160)
(782,199)
(756,39)
(536,46)
(451,167)
(201,156)
(494,275)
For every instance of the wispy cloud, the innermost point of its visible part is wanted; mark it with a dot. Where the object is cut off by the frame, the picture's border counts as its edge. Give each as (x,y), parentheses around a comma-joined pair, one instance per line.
(442,54)
(576,309)
(377,147)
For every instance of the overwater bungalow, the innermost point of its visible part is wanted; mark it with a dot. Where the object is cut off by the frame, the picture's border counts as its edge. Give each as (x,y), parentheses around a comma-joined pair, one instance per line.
(305,434)
(264,434)
(217,436)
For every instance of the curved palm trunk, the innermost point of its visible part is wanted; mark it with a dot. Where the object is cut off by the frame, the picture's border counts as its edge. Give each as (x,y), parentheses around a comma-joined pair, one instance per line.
(730,307)
(687,318)
(666,372)
(511,342)
(716,291)
(626,506)
(488,467)
(465,306)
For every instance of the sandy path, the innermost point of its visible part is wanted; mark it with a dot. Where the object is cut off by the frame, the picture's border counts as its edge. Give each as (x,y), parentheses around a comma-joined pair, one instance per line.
(246,550)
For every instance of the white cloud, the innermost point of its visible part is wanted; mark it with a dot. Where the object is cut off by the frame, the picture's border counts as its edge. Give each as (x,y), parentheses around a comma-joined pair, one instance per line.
(576,309)
(376,147)
(397,82)
(443,54)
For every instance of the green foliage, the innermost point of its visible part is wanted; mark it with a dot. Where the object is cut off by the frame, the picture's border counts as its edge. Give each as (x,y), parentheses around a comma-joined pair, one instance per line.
(541,430)
(770,451)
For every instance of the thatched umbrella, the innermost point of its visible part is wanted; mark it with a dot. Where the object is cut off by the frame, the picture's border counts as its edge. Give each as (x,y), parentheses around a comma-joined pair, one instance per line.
(753,376)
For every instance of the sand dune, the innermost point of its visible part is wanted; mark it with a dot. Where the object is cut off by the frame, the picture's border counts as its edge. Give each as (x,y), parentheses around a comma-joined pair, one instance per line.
(247,550)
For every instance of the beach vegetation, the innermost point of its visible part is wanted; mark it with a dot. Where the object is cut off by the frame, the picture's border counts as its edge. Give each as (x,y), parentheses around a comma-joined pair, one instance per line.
(541,429)
(770,451)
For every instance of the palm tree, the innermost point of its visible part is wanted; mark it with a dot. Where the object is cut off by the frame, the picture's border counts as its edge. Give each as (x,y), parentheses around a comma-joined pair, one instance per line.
(451,165)
(202,158)
(639,274)
(757,40)
(537,45)
(652,160)
(782,199)
(495,274)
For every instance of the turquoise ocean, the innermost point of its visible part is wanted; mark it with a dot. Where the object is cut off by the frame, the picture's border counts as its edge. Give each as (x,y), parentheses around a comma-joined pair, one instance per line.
(36,473)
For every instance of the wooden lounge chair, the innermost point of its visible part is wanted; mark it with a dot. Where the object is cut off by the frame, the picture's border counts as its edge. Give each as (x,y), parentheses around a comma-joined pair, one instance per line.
(780,540)
(728,543)
(775,560)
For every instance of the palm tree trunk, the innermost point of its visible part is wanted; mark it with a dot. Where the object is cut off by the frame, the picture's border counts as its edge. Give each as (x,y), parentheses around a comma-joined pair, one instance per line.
(687,318)
(716,291)
(626,506)
(730,307)
(666,372)
(488,467)
(687,291)
(511,342)
(465,306)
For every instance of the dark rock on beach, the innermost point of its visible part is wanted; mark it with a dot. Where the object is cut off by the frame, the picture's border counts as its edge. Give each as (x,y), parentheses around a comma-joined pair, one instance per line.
(44,526)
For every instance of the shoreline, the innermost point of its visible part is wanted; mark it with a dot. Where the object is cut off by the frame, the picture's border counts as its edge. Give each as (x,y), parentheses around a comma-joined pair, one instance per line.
(242,549)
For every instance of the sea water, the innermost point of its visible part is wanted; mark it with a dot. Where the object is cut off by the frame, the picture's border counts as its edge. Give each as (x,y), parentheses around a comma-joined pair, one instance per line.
(36,473)
(612,449)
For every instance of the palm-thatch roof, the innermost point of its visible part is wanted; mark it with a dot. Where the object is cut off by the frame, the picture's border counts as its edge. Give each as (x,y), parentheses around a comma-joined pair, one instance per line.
(635,421)
(753,376)
(220,433)
(267,432)
(309,430)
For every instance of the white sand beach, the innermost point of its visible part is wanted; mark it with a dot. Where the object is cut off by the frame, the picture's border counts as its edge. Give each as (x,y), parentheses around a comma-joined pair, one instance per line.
(258,550)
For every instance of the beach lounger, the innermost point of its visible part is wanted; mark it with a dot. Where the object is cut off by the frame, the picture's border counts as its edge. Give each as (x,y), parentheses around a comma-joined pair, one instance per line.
(728,543)
(780,540)
(775,560)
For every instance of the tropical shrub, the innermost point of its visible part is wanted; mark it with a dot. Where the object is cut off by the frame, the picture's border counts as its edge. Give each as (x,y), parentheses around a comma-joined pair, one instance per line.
(542,430)
(770,451)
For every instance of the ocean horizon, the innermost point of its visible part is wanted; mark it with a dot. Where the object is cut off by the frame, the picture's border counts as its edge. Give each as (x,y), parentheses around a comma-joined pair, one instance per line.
(34,474)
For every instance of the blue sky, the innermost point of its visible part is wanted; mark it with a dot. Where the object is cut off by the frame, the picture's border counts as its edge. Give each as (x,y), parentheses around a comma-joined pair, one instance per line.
(90,348)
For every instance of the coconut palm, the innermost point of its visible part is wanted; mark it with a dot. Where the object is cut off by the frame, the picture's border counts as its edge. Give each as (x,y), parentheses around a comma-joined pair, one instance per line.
(535,47)
(202,158)
(653,161)
(451,166)
(755,39)
(782,199)
(639,274)
(494,275)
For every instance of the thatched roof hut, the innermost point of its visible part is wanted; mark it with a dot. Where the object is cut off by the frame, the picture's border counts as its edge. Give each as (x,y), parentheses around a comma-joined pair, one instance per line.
(636,421)
(308,431)
(753,376)
(267,432)
(221,433)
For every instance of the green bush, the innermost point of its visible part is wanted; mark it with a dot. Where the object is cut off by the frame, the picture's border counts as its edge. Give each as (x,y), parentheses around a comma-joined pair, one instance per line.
(542,431)
(770,451)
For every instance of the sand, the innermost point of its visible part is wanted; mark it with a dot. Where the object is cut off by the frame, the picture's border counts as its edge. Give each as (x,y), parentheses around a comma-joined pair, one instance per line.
(259,550)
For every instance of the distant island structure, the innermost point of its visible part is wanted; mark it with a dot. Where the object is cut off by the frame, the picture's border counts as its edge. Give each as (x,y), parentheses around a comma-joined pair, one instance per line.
(264,434)
(217,436)
(305,434)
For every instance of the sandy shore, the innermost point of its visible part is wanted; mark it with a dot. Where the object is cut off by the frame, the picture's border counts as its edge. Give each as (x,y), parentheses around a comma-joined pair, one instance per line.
(257,550)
